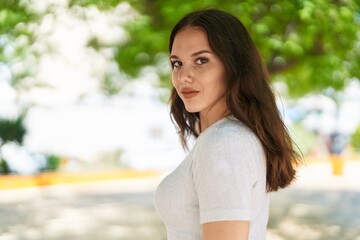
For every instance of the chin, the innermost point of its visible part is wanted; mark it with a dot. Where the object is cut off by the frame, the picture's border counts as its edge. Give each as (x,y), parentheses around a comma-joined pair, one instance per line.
(191,109)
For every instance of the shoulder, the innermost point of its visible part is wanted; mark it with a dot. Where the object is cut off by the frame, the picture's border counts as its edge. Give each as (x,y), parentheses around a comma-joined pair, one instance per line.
(228,158)
(228,144)
(228,133)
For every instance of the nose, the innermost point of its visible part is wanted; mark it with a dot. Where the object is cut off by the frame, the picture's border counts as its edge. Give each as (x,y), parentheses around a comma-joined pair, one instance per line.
(185,74)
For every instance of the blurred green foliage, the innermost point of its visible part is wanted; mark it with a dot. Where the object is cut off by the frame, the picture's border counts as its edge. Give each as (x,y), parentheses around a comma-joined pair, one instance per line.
(309,44)
(100,4)
(4,167)
(12,12)
(13,16)
(355,139)
(12,130)
(53,163)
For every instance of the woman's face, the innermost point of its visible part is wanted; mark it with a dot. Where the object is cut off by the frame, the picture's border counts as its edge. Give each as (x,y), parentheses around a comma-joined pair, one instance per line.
(198,75)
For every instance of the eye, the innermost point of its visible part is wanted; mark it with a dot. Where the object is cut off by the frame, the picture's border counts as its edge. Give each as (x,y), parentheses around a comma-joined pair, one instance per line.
(201,61)
(176,64)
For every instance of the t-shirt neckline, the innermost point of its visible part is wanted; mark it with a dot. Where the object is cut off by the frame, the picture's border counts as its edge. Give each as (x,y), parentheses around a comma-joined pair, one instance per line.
(216,123)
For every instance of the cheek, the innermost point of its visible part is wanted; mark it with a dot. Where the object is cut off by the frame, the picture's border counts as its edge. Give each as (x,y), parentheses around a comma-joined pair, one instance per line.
(173,80)
(216,79)
(218,86)
(222,79)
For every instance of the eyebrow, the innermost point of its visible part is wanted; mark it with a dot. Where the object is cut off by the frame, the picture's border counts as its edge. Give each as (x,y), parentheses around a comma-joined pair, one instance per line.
(194,54)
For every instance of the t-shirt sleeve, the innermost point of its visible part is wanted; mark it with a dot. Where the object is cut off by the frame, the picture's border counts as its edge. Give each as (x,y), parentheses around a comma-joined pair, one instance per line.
(224,175)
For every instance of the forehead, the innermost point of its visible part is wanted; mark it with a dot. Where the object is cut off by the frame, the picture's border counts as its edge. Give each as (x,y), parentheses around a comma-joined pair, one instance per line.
(190,40)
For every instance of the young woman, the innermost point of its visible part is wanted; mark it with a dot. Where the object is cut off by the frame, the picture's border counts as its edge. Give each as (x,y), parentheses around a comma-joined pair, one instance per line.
(222,96)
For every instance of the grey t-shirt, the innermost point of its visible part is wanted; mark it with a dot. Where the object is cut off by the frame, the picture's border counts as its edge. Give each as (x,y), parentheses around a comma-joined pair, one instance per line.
(222,178)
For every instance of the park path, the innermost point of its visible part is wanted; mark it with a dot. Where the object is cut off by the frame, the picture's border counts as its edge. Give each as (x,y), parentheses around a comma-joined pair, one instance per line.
(318,206)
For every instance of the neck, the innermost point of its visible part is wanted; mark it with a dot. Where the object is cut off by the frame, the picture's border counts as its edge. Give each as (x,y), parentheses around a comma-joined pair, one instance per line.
(206,120)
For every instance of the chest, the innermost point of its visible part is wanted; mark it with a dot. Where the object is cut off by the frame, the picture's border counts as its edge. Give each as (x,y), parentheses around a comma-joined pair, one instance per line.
(176,201)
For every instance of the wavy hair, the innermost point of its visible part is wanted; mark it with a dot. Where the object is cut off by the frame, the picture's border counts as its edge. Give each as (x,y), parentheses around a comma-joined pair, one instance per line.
(249,94)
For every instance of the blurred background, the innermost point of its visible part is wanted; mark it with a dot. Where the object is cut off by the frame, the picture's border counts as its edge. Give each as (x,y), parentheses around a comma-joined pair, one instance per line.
(84,87)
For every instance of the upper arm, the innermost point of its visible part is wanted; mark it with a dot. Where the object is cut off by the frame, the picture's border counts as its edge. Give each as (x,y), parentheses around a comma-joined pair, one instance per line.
(226,230)
(224,178)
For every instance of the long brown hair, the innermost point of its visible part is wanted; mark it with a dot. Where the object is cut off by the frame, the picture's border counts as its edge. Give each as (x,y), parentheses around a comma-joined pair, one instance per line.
(249,95)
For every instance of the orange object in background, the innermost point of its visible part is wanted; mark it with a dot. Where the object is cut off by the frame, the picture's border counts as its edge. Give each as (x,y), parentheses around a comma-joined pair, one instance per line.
(337,163)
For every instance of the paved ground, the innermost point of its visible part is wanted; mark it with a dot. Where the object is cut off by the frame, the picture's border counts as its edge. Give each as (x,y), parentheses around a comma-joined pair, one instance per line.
(319,206)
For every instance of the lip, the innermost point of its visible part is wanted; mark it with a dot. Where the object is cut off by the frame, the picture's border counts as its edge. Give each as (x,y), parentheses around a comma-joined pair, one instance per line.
(188,92)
